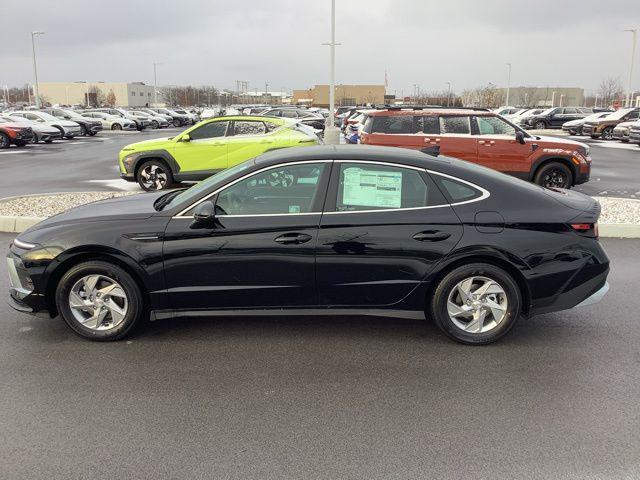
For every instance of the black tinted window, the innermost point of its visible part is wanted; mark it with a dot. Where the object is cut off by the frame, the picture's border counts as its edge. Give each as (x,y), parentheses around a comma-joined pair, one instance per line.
(457,191)
(393,124)
(455,124)
(209,130)
(431,125)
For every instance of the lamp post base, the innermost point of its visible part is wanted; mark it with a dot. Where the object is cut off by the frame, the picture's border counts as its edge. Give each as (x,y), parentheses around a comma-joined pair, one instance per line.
(331,135)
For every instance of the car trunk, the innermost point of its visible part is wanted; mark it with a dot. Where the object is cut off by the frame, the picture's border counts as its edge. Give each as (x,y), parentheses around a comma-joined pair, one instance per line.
(586,209)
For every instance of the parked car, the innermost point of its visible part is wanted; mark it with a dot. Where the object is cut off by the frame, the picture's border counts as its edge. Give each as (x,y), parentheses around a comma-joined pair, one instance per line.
(178,119)
(603,127)
(506,110)
(141,123)
(301,114)
(41,132)
(634,132)
(330,230)
(574,127)
(12,133)
(112,122)
(482,137)
(555,117)
(88,127)
(521,117)
(155,121)
(193,118)
(208,147)
(67,128)
(622,130)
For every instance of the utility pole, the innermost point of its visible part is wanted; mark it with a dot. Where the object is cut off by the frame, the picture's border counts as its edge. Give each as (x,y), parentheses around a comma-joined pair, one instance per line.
(561,98)
(553,99)
(155,82)
(331,132)
(508,64)
(595,103)
(448,92)
(35,66)
(634,33)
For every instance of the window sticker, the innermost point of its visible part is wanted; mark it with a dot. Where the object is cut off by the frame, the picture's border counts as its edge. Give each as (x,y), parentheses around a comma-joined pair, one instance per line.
(377,188)
(294,208)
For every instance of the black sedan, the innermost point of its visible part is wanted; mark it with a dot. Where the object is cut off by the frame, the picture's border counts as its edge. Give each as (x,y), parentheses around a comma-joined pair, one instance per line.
(319,230)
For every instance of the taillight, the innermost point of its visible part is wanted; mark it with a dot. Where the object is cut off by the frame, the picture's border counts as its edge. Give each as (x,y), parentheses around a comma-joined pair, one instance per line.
(586,229)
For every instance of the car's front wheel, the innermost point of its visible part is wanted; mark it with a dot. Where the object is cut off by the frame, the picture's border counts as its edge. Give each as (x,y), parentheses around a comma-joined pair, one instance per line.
(155,125)
(540,125)
(5,142)
(554,175)
(154,175)
(116,126)
(607,133)
(476,303)
(99,300)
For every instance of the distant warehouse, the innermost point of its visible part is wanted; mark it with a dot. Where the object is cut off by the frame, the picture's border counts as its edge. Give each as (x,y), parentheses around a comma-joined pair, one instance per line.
(135,94)
(543,96)
(318,96)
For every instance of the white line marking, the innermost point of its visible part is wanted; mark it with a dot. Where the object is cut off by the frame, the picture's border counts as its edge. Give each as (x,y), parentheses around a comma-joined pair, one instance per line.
(13,152)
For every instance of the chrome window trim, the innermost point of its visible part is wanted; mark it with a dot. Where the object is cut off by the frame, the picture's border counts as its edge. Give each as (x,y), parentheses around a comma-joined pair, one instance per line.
(206,197)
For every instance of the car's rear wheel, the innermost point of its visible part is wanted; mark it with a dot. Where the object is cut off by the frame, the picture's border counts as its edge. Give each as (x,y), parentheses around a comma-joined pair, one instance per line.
(155,124)
(116,126)
(554,175)
(154,175)
(177,122)
(607,133)
(540,125)
(5,142)
(476,303)
(99,300)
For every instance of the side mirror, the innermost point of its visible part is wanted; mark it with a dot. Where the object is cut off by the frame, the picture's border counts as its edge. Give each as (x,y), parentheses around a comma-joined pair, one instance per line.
(67,117)
(185,138)
(204,213)
(520,137)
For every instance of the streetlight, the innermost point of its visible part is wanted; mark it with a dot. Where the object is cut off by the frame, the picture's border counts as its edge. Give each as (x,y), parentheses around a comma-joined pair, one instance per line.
(331,132)
(448,92)
(508,64)
(553,99)
(561,97)
(595,102)
(634,33)
(35,67)
(155,83)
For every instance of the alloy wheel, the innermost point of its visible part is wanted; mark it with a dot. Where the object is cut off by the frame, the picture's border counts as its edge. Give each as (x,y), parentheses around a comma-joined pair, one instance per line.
(607,134)
(98,302)
(477,304)
(153,177)
(555,179)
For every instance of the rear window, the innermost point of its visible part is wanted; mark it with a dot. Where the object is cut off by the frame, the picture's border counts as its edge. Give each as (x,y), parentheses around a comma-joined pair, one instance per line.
(455,124)
(398,124)
(456,190)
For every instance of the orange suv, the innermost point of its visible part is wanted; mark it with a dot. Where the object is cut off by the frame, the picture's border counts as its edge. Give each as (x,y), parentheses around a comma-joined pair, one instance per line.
(482,137)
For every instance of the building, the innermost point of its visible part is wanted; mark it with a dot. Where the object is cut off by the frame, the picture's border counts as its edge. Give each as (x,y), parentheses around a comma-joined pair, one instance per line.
(135,94)
(542,96)
(318,96)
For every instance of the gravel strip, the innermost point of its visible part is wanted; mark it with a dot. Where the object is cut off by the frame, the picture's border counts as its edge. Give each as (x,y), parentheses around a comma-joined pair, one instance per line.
(48,205)
(614,210)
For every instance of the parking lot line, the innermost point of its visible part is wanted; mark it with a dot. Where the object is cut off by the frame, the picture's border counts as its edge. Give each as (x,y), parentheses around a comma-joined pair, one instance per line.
(8,152)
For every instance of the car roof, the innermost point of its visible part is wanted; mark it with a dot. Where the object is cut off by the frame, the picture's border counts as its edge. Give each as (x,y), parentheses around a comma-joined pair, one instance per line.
(401,156)
(431,111)
(249,117)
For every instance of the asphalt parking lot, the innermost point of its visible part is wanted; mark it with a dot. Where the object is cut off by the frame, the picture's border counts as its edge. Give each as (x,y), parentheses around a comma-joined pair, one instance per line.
(358,398)
(90,164)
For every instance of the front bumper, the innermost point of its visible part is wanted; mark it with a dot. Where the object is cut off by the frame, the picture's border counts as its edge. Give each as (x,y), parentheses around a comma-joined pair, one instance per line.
(634,135)
(590,130)
(128,177)
(22,296)
(72,131)
(96,128)
(571,129)
(620,134)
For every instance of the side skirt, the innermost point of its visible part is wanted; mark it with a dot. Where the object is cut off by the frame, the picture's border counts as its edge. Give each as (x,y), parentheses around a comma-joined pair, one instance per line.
(317,312)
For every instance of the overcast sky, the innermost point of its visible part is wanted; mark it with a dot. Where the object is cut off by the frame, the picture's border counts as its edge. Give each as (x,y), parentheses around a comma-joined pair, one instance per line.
(426,42)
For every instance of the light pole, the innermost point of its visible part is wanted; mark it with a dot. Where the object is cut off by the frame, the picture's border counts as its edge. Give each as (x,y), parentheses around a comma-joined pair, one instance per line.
(448,92)
(595,102)
(553,99)
(634,33)
(155,83)
(35,66)
(331,132)
(508,64)
(561,98)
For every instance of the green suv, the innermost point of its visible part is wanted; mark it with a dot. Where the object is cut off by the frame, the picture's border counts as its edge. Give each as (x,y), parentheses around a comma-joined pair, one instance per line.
(207,148)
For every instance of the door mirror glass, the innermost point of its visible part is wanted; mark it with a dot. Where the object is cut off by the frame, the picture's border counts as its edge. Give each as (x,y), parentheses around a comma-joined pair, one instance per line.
(204,213)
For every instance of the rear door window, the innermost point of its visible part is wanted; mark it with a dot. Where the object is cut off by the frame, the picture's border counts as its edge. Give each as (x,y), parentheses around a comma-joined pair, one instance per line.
(457,125)
(209,130)
(249,128)
(393,124)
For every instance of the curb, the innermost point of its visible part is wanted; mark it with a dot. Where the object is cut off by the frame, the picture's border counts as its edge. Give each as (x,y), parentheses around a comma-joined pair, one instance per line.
(13,224)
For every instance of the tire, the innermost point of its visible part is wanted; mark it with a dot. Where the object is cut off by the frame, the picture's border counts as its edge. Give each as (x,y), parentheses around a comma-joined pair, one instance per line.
(540,125)
(594,136)
(20,143)
(177,122)
(579,131)
(61,130)
(607,133)
(116,126)
(155,125)
(154,175)
(35,139)
(83,131)
(92,134)
(5,142)
(49,140)
(554,175)
(484,319)
(70,137)
(108,316)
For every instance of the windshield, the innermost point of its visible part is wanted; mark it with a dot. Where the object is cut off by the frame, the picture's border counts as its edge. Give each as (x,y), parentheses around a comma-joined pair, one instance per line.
(619,114)
(47,117)
(595,116)
(199,188)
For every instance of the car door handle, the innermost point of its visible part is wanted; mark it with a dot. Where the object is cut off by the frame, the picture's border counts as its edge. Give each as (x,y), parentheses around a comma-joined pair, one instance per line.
(432,140)
(431,236)
(293,238)
(487,143)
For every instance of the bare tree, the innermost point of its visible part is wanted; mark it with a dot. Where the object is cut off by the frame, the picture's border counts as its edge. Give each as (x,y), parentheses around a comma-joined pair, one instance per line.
(111,98)
(610,90)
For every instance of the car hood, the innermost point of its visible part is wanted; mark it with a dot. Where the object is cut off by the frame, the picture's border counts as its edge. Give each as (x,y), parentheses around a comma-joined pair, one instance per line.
(132,207)
(43,128)
(574,123)
(64,123)
(562,142)
(625,124)
(147,144)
